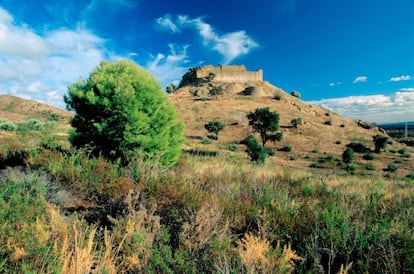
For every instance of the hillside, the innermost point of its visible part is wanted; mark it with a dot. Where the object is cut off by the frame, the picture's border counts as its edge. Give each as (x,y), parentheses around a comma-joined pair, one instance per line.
(322,132)
(17,109)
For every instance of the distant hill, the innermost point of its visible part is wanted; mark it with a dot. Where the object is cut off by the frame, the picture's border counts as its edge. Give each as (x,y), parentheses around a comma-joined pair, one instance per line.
(321,131)
(18,109)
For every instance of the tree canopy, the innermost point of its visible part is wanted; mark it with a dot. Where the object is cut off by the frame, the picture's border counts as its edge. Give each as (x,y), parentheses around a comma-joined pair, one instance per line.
(265,122)
(121,110)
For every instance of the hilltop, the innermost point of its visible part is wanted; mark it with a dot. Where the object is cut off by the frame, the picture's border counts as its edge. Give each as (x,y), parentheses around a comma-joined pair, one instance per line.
(322,131)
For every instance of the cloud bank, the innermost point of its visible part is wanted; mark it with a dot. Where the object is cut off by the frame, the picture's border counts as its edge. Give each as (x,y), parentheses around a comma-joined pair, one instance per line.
(230,45)
(40,66)
(398,107)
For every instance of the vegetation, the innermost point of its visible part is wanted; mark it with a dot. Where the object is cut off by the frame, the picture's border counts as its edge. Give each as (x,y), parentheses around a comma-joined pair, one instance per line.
(380,142)
(121,111)
(295,93)
(256,152)
(216,91)
(214,126)
(296,122)
(266,123)
(348,155)
(171,88)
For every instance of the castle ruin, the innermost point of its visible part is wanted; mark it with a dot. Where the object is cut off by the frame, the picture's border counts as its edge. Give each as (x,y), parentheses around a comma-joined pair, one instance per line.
(222,73)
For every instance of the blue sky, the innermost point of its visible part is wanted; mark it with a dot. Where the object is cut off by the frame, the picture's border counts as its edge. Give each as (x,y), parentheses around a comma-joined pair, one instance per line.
(355,57)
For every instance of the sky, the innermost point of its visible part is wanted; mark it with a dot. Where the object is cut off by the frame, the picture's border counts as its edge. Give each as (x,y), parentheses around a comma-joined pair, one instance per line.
(355,57)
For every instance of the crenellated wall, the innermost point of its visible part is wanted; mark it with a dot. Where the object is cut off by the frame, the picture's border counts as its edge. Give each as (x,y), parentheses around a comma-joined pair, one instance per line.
(223,73)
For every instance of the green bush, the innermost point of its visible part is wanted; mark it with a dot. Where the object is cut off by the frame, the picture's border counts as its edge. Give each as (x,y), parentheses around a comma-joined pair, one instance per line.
(380,142)
(407,155)
(256,152)
(233,147)
(342,125)
(270,151)
(392,168)
(348,155)
(398,161)
(368,156)
(8,126)
(206,141)
(287,148)
(296,122)
(328,122)
(215,127)
(121,111)
(34,124)
(277,97)
(295,93)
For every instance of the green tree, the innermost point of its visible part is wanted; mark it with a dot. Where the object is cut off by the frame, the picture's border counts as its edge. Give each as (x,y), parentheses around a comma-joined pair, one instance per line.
(216,91)
(296,122)
(380,142)
(121,111)
(348,155)
(171,88)
(215,127)
(265,122)
(256,152)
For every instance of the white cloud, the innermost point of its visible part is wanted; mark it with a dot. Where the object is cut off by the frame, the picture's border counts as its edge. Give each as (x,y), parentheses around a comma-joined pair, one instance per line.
(400,78)
(360,79)
(332,84)
(397,107)
(167,23)
(407,89)
(40,67)
(230,45)
(169,69)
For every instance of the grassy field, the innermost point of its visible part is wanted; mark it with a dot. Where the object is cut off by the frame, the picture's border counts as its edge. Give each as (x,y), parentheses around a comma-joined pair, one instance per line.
(64,212)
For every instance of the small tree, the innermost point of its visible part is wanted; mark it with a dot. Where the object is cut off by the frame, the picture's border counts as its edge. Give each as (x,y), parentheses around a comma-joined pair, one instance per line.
(296,122)
(265,122)
(171,88)
(256,152)
(380,142)
(295,93)
(348,155)
(121,111)
(215,127)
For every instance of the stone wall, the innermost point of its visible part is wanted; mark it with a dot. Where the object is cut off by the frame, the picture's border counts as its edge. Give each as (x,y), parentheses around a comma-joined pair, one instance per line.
(223,73)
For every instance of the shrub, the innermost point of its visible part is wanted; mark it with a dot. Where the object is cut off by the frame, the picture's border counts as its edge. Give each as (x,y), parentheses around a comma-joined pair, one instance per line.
(34,124)
(342,125)
(407,155)
(270,151)
(328,122)
(392,168)
(368,156)
(256,152)
(215,127)
(265,122)
(277,97)
(357,147)
(398,161)
(296,122)
(171,88)
(380,142)
(287,148)
(215,91)
(410,176)
(295,93)
(233,147)
(8,126)
(206,141)
(338,142)
(348,155)
(352,167)
(121,110)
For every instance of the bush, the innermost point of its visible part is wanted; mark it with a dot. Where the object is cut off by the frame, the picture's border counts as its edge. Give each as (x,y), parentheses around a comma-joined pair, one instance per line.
(171,88)
(8,126)
(256,152)
(348,155)
(234,147)
(296,122)
(121,111)
(368,156)
(277,97)
(342,125)
(328,122)
(206,141)
(295,93)
(287,148)
(357,147)
(215,127)
(380,142)
(215,91)
(270,151)
(34,124)
(392,168)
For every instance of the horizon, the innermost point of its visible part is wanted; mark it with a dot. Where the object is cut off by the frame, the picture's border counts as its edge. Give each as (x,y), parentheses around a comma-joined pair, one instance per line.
(354,58)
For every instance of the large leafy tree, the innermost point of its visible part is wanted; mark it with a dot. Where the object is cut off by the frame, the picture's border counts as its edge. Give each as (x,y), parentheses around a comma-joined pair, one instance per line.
(121,110)
(265,122)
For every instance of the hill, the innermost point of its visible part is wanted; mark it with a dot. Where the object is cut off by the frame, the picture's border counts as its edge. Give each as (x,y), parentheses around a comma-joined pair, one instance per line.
(17,109)
(322,132)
